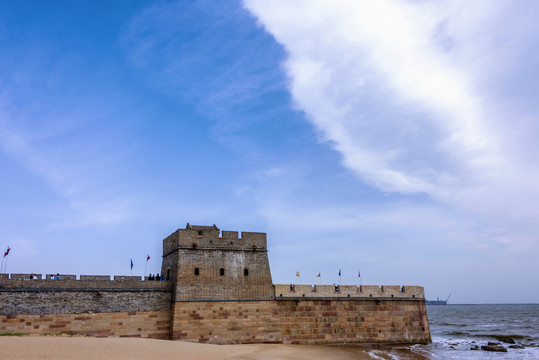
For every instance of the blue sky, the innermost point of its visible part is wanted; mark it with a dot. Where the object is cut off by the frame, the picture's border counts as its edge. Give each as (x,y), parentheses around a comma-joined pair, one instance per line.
(393,137)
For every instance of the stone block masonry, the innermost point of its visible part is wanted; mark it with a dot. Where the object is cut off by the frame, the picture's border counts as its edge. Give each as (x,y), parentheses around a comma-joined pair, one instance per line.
(353,321)
(306,322)
(227,322)
(152,324)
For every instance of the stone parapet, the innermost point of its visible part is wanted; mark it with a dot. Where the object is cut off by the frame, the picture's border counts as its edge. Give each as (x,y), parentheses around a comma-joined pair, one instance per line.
(82,285)
(62,276)
(20,276)
(348,291)
(95,277)
(126,278)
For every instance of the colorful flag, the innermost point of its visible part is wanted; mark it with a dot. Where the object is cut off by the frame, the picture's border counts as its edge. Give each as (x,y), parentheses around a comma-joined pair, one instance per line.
(339,272)
(358,274)
(7,252)
(148,258)
(318,275)
(131,264)
(297,274)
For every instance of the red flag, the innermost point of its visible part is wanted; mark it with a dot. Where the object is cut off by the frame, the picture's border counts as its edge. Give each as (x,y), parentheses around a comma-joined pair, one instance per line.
(358,274)
(148,258)
(7,252)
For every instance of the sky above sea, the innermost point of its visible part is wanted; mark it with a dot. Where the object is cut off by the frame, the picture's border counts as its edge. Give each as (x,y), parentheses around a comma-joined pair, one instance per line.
(392,139)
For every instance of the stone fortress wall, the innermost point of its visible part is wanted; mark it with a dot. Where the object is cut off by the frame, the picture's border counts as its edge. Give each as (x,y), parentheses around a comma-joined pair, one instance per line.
(218,290)
(92,306)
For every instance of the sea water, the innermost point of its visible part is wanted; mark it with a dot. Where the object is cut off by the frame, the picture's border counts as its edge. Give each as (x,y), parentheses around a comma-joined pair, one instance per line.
(456,329)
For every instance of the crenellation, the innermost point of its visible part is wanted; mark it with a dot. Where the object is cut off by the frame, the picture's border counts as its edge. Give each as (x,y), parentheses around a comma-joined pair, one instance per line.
(229,235)
(95,277)
(348,291)
(257,239)
(126,278)
(61,276)
(17,284)
(391,290)
(414,291)
(22,276)
(371,290)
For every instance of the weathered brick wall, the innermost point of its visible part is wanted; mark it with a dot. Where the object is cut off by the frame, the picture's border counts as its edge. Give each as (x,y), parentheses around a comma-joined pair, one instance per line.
(18,297)
(154,324)
(302,321)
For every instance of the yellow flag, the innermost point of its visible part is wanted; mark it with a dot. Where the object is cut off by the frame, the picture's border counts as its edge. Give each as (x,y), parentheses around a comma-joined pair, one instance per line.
(297,274)
(318,275)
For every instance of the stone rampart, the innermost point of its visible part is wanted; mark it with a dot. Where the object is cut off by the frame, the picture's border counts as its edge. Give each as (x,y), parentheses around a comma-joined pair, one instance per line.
(218,290)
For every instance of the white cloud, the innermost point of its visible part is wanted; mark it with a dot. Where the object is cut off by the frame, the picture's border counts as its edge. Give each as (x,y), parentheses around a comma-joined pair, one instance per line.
(403,91)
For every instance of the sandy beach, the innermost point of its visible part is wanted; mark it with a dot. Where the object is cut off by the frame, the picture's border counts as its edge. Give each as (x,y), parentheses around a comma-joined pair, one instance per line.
(59,348)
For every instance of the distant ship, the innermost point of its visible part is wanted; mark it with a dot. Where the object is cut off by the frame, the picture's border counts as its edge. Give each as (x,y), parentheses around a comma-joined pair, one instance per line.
(437,301)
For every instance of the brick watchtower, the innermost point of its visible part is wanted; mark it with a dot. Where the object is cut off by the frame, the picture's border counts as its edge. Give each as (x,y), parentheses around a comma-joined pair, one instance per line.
(205,266)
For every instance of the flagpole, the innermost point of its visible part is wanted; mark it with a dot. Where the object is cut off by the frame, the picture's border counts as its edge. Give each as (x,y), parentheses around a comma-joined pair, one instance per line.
(4,268)
(145,266)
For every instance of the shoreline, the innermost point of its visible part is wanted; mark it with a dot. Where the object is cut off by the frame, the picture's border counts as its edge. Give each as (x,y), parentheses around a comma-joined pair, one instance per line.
(90,348)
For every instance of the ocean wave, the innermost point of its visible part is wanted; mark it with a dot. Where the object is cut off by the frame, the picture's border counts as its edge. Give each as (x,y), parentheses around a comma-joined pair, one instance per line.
(505,338)
(450,324)
(457,333)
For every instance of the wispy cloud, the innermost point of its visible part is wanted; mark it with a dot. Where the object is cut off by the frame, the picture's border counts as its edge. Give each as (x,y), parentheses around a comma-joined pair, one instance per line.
(76,166)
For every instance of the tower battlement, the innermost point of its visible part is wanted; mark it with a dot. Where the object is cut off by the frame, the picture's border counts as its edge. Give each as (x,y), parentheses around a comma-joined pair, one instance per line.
(211,237)
(208,264)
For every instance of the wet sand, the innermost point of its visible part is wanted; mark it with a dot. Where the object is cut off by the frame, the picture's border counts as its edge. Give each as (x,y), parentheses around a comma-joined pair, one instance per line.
(59,348)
